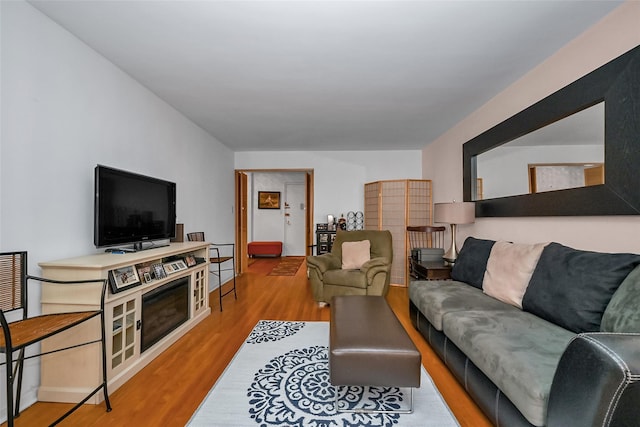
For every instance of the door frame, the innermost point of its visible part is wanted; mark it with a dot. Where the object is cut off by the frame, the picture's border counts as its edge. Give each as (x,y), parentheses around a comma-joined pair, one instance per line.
(241,195)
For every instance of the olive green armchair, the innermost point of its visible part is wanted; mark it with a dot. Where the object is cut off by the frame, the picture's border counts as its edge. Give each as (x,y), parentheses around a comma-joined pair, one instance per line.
(328,277)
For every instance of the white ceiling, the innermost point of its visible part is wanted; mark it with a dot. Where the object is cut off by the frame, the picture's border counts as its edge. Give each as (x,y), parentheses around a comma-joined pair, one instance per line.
(325,75)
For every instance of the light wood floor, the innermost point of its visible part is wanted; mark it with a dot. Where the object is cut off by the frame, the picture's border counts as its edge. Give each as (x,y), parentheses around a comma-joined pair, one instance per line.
(168,390)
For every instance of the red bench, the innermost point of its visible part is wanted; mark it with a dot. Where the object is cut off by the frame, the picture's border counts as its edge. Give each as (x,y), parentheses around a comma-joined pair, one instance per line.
(265,248)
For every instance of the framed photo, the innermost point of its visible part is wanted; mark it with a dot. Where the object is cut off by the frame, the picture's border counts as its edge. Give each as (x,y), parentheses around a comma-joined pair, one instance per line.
(174,266)
(190,260)
(123,278)
(268,200)
(145,273)
(158,271)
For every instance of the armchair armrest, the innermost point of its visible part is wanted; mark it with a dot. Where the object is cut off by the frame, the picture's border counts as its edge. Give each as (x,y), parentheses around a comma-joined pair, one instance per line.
(375,262)
(375,266)
(597,382)
(324,262)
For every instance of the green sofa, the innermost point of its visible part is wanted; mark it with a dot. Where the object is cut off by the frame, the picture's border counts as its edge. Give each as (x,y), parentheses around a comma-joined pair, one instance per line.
(329,279)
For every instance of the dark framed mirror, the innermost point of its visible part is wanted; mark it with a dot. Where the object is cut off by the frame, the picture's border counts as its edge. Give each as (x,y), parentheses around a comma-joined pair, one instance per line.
(616,85)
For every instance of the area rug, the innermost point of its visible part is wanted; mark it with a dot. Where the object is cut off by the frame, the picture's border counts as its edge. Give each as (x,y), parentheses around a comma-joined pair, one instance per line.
(287,266)
(280,377)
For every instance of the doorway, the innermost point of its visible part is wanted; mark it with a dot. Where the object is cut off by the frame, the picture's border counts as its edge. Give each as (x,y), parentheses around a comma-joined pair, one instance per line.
(560,176)
(245,211)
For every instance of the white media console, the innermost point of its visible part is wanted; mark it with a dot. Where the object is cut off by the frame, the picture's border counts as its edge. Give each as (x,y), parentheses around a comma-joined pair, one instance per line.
(68,376)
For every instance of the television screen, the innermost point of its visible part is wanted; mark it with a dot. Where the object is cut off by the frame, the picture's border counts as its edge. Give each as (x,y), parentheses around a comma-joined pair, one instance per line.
(132,208)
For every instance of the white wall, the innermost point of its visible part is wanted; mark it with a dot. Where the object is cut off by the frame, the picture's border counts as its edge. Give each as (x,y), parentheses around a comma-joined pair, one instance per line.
(65,109)
(268,224)
(441,160)
(339,177)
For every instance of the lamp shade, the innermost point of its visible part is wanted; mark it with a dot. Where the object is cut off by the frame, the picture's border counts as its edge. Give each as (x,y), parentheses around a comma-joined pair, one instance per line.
(454,212)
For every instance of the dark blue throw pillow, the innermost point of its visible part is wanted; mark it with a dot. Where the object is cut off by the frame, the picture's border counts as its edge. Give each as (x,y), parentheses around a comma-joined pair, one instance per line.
(472,261)
(572,288)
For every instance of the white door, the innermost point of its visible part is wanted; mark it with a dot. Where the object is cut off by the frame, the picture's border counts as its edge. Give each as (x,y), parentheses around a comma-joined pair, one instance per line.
(294,219)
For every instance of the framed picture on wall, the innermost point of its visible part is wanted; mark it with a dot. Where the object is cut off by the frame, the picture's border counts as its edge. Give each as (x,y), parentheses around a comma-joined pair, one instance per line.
(268,200)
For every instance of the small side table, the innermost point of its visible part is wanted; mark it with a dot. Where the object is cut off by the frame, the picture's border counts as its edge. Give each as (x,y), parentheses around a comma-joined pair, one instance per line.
(431,270)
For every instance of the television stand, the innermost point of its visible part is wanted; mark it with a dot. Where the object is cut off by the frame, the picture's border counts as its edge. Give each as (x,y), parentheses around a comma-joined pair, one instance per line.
(123,320)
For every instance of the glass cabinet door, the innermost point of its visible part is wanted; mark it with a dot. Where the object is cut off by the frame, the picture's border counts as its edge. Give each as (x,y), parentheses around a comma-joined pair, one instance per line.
(122,321)
(200,291)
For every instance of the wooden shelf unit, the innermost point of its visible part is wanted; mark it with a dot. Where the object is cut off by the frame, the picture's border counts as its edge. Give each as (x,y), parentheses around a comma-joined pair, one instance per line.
(324,241)
(68,376)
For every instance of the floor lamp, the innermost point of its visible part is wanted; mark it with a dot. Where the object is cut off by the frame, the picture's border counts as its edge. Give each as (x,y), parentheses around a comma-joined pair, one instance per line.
(454,213)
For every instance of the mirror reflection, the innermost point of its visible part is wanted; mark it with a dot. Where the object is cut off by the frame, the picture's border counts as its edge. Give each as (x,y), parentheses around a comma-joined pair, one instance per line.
(566,154)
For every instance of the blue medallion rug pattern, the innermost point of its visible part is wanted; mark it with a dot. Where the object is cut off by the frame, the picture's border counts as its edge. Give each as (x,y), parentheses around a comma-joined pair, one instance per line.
(280,377)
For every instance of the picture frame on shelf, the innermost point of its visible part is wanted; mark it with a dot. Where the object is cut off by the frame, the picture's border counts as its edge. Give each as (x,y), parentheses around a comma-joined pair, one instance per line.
(144,273)
(123,278)
(268,200)
(158,271)
(174,266)
(190,260)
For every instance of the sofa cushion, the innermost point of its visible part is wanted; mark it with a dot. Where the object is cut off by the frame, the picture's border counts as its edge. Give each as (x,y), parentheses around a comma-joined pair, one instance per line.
(622,313)
(516,350)
(354,254)
(572,288)
(472,261)
(509,270)
(434,298)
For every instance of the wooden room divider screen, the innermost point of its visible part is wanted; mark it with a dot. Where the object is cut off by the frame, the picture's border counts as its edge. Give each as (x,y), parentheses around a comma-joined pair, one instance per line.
(393,205)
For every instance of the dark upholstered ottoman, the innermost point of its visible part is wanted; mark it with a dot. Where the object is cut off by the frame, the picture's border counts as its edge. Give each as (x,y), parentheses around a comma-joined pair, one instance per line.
(369,347)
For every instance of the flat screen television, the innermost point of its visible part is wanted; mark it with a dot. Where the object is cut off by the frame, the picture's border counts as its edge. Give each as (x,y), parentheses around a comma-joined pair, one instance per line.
(131,208)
